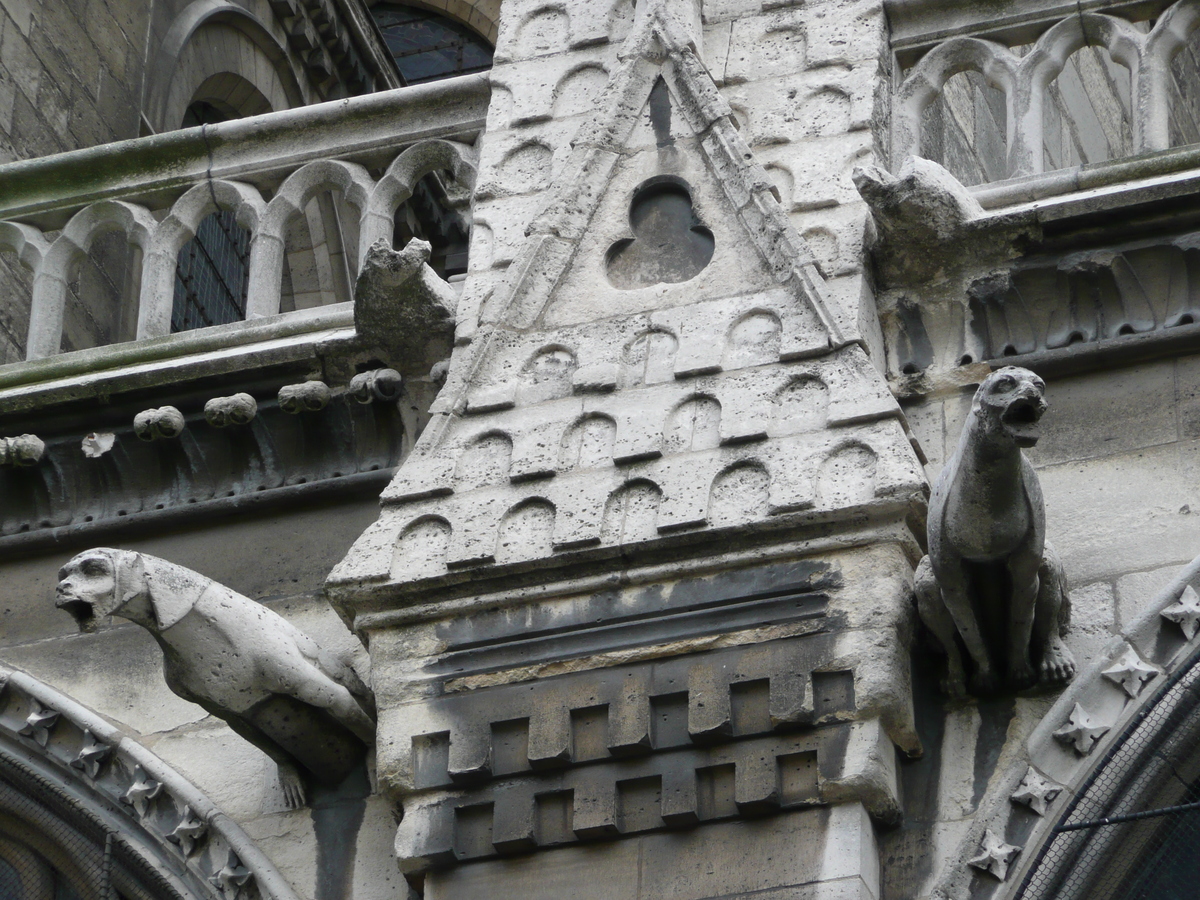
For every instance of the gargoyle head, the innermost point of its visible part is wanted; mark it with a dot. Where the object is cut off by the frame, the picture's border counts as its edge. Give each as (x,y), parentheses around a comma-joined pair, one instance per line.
(99,583)
(1011,402)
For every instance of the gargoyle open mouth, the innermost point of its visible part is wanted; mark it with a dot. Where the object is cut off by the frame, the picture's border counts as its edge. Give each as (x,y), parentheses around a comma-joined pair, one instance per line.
(1021,420)
(80,610)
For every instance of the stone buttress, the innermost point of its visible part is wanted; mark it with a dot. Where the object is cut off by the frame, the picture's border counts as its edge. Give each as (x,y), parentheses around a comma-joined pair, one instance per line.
(640,597)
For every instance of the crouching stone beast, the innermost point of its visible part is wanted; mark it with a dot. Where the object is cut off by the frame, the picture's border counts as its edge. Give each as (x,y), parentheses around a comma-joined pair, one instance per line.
(239,660)
(991,580)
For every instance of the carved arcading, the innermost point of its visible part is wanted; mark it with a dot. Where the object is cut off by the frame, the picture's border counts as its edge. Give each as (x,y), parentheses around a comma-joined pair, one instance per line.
(269,247)
(1048,303)
(92,765)
(237,444)
(1024,79)
(52,271)
(756,422)
(161,241)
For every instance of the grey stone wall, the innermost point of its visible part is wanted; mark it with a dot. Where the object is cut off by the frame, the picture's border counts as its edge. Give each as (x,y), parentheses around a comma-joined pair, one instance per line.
(280,559)
(1116,462)
(70,76)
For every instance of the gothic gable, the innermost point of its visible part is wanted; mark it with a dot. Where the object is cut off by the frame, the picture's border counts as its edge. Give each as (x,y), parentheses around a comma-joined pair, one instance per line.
(659,363)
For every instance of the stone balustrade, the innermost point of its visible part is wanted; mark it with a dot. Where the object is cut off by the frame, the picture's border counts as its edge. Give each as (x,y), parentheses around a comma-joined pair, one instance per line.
(156,190)
(1146,48)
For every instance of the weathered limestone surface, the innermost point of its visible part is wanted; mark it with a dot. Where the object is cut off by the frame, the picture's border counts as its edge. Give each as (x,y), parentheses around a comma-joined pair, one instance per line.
(991,577)
(243,663)
(640,603)
(817,854)
(649,566)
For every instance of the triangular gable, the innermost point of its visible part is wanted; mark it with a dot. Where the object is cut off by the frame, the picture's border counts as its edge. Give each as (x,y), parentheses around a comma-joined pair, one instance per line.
(586,419)
(657,47)
(660,49)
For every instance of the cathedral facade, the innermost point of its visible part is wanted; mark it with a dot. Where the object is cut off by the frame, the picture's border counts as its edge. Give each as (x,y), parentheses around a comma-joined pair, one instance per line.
(657,450)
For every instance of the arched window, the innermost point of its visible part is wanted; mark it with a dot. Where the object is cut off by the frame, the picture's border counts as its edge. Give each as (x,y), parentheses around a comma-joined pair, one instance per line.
(27,875)
(427,46)
(212,271)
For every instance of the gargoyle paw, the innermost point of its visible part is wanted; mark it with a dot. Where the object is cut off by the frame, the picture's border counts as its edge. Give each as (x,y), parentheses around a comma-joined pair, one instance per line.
(984,682)
(292,783)
(1058,663)
(1021,675)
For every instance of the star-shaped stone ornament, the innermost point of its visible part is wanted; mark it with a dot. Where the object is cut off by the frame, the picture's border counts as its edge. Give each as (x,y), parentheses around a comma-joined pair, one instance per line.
(232,878)
(1036,792)
(995,856)
(1080,731)
(1185,612)
(188,832)
(1130,673)
(91,755)
(142,791)
(39,722)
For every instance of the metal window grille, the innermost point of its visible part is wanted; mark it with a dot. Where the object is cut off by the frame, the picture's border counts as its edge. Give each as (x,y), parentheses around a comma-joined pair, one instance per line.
(427,46)
(53,849)
(1132,831)
(211,275)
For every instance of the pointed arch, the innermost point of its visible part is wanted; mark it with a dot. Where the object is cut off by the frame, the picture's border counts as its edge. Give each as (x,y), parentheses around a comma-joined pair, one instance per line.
(68,775)
(1119,742)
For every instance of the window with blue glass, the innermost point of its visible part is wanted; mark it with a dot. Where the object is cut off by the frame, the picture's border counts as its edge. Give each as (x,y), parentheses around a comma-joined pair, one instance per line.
(213,269)
(427,46)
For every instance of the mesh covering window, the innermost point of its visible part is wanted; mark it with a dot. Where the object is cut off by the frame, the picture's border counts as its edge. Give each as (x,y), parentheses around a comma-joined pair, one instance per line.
(55,847)
(1133,830)
(427,46)
(212,271)
(27,875)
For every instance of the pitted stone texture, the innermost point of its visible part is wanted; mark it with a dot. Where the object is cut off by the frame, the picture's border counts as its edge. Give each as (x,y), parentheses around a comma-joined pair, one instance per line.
(821,431)
(594,441)
(556,87)
(814,473)
(163,423)
(242,662)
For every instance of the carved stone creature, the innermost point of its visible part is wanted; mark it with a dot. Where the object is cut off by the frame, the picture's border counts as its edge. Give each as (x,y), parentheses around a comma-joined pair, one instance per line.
(242,662)
(308,396)
(238,409)
(159,424)
(24,450)
(376,386)
(400,302)
(991,580)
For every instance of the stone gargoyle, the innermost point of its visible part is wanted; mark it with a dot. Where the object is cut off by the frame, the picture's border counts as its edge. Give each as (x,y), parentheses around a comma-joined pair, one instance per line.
(991,581)
(400,303)
(240,661)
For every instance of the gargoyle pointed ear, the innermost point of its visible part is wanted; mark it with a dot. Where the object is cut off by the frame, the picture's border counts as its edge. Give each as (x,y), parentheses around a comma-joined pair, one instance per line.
(172,590)
(129,574)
